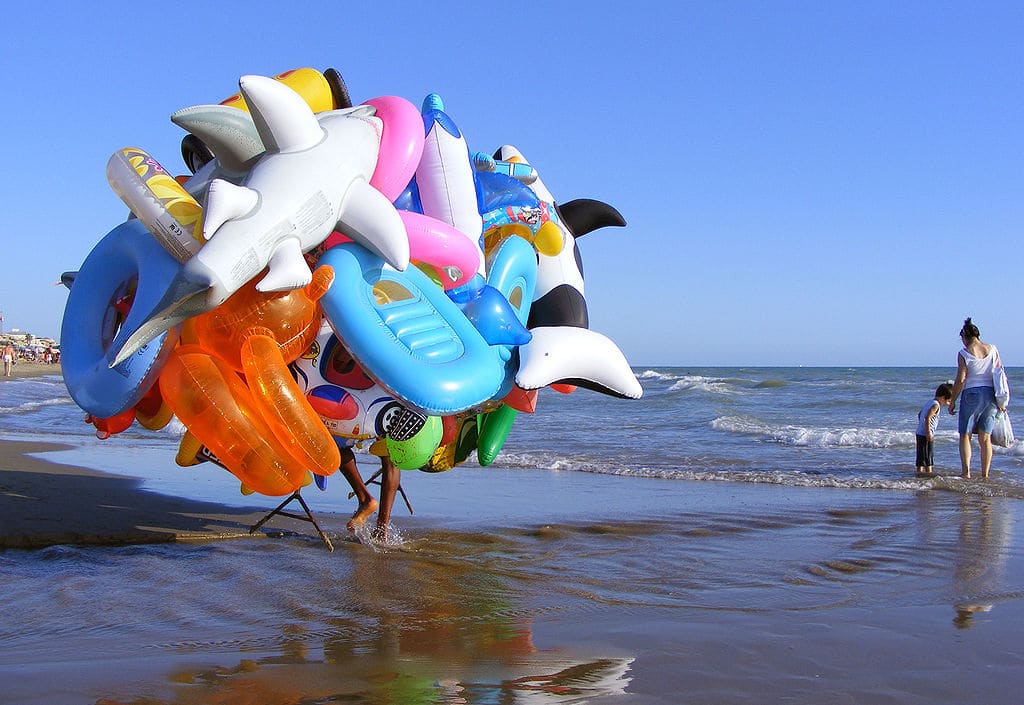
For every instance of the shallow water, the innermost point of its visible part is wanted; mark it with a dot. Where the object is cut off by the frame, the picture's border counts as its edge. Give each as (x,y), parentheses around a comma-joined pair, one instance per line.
(869,598)
(736,536)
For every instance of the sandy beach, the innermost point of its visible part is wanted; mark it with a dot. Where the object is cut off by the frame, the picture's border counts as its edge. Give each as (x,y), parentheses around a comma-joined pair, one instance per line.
(23,369)
(44,503)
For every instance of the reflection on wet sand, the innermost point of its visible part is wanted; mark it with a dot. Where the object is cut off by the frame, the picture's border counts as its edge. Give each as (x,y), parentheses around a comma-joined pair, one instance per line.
(416,629)
(980,556)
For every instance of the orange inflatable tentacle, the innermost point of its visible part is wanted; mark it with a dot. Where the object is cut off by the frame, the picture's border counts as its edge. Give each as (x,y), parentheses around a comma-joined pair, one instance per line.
(216,406)
(284,407)
(323,277)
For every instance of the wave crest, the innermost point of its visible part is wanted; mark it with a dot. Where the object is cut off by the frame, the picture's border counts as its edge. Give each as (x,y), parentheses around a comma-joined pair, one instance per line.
(815,437)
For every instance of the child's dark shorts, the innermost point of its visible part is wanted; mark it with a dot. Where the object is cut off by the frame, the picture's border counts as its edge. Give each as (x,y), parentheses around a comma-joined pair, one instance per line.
(924,452)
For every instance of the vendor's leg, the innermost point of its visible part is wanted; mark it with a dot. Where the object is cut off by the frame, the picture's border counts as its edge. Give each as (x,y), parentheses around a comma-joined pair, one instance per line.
(367,504)
(985,442)
(965,455)
(390,478)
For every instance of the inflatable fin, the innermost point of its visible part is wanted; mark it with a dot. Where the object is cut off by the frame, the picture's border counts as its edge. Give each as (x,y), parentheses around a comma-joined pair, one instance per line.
(288,269)
(284,121)
(370,219)
(229,133)
(224,202)
(577,356)
(585,215)
(492,315)
(524,400)
(194,153)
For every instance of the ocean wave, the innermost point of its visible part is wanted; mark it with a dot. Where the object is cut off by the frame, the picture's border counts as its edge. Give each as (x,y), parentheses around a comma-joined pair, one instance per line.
(947,483)
(709,384)
(654,374)
(30,406)
(698,383)
(815,437)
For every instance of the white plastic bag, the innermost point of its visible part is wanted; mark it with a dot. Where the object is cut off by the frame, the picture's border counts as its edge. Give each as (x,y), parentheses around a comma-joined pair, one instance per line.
(1002,387)
(1002,432)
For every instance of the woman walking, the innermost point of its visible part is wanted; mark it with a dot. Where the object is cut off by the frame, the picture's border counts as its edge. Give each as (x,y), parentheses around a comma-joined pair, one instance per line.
(975,391)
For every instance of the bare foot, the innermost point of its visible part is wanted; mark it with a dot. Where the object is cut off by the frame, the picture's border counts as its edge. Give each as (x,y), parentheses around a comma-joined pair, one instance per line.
(380,532)
(966,476)
(360,516)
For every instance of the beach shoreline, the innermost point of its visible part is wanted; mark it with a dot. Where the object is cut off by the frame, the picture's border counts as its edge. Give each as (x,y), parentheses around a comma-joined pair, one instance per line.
(45,503)
(23,369)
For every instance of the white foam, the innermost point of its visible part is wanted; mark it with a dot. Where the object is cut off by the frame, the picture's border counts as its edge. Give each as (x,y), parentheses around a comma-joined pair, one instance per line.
(655,375)
(30,406)
(815,437)
(714,385)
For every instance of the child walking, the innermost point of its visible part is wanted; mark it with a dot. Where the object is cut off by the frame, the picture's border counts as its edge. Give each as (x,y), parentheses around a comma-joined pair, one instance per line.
(927,422)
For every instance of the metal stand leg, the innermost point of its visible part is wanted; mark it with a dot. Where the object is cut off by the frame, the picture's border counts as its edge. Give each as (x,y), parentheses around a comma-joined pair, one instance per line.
(308,517)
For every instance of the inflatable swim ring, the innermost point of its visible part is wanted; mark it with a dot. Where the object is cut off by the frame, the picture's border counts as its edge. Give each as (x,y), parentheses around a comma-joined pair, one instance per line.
(123,277)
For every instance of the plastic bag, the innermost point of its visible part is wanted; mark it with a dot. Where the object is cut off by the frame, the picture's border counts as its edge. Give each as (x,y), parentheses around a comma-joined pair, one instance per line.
(1002,387)
(1002,432)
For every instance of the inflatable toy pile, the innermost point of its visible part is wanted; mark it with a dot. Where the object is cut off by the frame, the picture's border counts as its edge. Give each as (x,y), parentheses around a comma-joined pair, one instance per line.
(332,274)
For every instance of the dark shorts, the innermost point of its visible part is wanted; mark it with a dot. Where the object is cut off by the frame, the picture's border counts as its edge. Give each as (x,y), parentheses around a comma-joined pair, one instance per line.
(924,452)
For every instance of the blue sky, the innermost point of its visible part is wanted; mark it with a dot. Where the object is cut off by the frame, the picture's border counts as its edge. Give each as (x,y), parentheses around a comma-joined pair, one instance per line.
(805,183)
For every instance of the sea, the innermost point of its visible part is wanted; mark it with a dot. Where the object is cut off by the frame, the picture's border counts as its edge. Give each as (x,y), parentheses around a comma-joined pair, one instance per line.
(738,535)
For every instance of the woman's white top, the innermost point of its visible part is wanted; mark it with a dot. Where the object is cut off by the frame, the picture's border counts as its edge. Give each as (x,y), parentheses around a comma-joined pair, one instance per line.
(979,369)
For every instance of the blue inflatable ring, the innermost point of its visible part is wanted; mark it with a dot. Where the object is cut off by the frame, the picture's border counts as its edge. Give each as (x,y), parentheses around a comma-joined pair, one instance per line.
(127,260)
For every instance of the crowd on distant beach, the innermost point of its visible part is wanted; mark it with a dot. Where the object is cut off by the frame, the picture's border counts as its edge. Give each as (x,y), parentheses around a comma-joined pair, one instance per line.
(13,355)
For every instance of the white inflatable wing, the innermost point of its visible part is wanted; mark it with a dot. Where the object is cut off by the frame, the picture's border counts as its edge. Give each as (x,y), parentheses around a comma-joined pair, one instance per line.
(579,356)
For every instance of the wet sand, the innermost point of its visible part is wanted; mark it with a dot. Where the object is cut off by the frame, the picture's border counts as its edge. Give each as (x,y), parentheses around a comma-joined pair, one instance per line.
(46,504)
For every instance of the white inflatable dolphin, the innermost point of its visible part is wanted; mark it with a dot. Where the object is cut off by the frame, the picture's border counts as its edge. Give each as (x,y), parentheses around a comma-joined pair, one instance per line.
(312,178)
(563,349)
